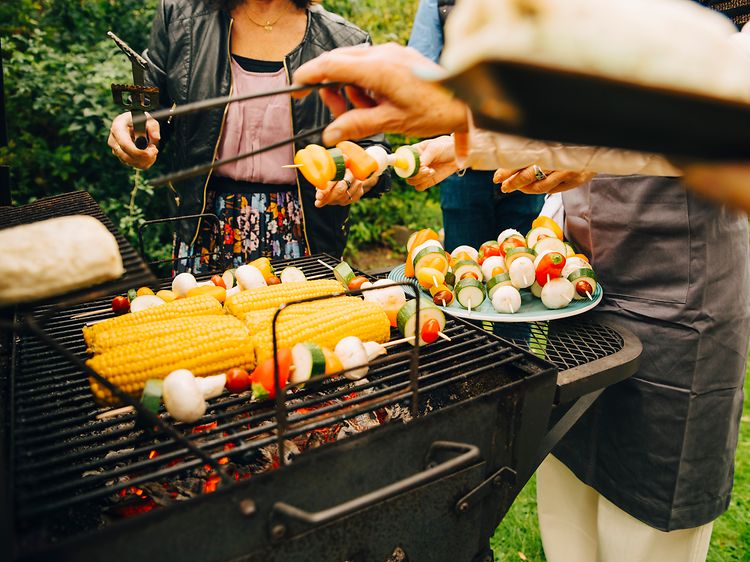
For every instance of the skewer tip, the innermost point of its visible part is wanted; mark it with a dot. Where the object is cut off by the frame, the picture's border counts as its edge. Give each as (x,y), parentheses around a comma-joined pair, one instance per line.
(321,262)
(589,296)
(444,336)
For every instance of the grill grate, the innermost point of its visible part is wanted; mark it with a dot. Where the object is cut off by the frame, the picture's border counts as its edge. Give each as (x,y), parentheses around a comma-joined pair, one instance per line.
(81,203)
(66,456)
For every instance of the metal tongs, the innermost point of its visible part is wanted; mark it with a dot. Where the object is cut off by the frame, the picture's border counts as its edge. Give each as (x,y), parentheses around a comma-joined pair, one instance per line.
(138,98)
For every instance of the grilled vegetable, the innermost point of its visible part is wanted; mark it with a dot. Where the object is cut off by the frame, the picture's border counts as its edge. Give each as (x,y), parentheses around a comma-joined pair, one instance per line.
(316,164)
(494,283)
(431,257)
(536,234)
(512,254)
(430,277)
(339,163)
(406,161)
(470,293)
(353,355)
(427,244)
(152,394)
(144,291)
(358,160)
(229,279)
(573,264)
(549,267)
(441,295)
(309,361)
(182,283)
(462,268)
(380,155)
(120,305)
(292,275)
(344,274)
(487,250)
(522,273)
(510,233)
(557,293)
(547,222)
(219,293)
(415,240)
(166,295)
(219,281)
(333,363)
(238,380)
(183,397)
(471,252)
(356,283)
(584,281)
(430,330)
(390,298)
(208,349)
(213,386)
(264,375)
(374,350)
(323,322)
(407,318)
(550,245)
(249,277)
(193,306)
(274,295)
(506,299)
(493,265)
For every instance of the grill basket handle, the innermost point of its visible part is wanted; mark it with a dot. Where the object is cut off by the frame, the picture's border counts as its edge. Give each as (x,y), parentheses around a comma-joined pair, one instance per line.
(283,512)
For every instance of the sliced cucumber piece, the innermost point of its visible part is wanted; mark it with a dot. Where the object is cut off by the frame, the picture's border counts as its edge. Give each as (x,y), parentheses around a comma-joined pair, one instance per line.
(406,161)
(344,274)
(496,282)
(536,290)
(309,361)
(470,293)
(569,250)
(406,318)
(585,275)
(229,279)
(423,245)
(536,234)
(573,264)
(461,268)
(432,257)
(514,253)
(152,393)
(339,162)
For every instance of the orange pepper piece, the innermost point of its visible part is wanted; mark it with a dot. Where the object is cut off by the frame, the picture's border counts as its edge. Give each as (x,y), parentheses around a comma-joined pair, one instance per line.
(316,164)
(358,161)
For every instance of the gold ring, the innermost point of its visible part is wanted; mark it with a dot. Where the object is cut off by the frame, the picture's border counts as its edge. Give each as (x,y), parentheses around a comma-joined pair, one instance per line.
(539,173)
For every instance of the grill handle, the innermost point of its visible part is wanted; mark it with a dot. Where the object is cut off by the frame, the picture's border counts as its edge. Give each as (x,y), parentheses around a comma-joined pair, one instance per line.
(283,512)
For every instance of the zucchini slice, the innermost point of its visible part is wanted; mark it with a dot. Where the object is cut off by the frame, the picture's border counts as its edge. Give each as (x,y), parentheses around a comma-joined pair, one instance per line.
(152,393)
(514,253)
(551,245)
(538,233)
(406,162)
(406,319)
(494,283)
(309,361)
(461,268)
(584,275)
(343,274)
(339,162)
(470,293)
(431,257)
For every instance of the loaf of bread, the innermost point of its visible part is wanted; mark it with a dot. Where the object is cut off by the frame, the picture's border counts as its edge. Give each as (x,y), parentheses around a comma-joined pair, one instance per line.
(673,44)
(53,257)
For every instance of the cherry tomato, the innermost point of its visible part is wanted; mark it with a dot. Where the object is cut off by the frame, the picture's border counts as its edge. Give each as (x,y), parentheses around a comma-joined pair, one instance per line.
(356,283)
(584,288)
(430,330)
(511,243)
(442,298)
(218,281)
(549,267)
(237,380)
(120,305)
(273,280)
(263,375)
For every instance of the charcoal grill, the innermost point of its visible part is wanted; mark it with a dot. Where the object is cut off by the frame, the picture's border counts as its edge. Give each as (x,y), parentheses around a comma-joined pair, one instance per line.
(430,487)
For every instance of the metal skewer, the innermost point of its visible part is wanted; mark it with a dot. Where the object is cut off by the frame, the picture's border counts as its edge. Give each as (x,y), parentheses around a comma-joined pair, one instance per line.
(90,313)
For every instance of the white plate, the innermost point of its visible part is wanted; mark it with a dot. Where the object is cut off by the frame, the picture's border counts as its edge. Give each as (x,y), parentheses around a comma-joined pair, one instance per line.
(532,309)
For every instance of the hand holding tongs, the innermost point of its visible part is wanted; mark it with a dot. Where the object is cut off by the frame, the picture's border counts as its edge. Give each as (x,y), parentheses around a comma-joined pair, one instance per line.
(138,97)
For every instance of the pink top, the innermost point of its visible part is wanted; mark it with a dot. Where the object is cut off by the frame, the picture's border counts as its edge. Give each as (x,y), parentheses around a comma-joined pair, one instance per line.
(252,124)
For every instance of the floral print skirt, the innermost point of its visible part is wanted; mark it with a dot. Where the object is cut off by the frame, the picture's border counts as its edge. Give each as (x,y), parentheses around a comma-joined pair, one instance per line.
(251,225)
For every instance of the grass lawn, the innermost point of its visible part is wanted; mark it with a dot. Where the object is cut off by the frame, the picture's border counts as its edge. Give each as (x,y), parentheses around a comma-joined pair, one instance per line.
(517,537)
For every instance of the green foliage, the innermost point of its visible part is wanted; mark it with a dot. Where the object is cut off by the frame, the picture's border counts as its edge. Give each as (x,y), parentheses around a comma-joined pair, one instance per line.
(384,20)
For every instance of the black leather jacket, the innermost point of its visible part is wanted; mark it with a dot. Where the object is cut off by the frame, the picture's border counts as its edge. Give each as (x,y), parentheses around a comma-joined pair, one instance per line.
(188,58)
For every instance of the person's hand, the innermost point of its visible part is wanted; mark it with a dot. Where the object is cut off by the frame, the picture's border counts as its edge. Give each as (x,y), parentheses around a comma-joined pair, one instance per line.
(388,97)
(344,192)
(121,137)
(727,183)
(437,161)
(527,180)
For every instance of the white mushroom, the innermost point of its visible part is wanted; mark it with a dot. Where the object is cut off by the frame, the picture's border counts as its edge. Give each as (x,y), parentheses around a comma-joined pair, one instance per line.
(211,387)
(352,353)
(557,293)
(145,301)
(249,277)
(522,274)
(292,274)
(183,397)
(506,299)
(374,350)
(182,283)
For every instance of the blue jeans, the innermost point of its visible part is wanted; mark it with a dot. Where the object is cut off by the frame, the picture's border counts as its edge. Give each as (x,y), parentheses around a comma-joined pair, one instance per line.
(475,210)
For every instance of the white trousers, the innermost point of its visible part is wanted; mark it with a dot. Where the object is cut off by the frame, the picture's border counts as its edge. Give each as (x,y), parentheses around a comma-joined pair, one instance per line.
(580,525)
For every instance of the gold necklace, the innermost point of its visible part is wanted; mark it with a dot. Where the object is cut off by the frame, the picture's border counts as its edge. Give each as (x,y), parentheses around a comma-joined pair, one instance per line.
(268,26)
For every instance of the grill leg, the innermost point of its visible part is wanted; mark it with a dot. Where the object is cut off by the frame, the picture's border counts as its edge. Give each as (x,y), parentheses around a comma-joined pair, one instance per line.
(485,556)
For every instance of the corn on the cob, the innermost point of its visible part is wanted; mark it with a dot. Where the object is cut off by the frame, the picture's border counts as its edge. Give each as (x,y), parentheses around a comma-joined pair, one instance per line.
(146,333)
(323,322)
(272,296)
(193,306)
(208,349)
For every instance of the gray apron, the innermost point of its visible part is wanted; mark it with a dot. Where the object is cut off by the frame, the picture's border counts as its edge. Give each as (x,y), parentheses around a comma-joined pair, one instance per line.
(674,269)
